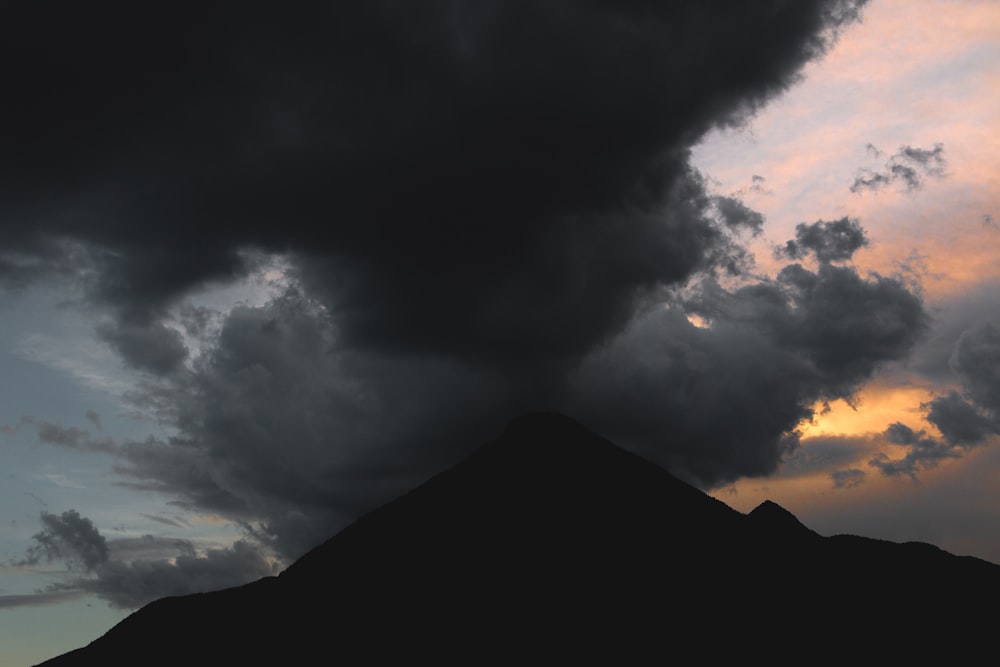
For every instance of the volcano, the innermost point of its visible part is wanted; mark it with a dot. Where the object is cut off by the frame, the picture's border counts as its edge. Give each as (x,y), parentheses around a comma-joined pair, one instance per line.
(552,544)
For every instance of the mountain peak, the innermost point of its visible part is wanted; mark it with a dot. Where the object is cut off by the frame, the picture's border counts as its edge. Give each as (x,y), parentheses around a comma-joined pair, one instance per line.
(552,536)
(771,517)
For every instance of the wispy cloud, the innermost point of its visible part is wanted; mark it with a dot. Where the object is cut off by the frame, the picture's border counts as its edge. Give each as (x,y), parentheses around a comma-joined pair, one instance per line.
(908,167)
(130,572)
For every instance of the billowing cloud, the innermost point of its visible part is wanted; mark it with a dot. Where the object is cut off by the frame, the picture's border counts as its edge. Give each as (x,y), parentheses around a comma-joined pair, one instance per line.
(720,402)
(435,140)
(908,167)
(482,208)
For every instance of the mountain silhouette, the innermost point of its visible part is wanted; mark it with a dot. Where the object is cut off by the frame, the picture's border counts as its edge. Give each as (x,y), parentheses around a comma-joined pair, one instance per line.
(552,544)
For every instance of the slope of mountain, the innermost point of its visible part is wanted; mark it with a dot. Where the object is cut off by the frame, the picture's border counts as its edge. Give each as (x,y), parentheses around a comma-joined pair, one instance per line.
(552,544)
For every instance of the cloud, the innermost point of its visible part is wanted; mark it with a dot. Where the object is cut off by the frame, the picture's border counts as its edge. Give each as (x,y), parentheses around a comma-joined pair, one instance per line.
(132,584)
(720,402)
(130,572)
(908,166)
(286,429)
(847,478)
(976,361)
(484,208)
(69,537)
(145,346)
(826,454)
(69,437)
(38,599)
(833,241)
(965,419)
(453,149)
(924,451)
(971,417)
(959,421)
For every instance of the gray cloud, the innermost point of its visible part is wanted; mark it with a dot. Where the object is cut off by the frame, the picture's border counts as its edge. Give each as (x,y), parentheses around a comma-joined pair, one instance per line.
(452,149)
(485,208)
(971,309)
(908,167)
(826,454)
(69,437)
(827,241)
(130,572)
(728,398)
(847,478)
(130,584)
(924,451)
(174,521)
(68,537)
(971,417)
(965,419)
(145,346)
(959,421)
(976,360)
(38,599)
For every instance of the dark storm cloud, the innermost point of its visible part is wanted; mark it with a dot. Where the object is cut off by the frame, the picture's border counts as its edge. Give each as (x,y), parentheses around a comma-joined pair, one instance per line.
(828,241)
(385,138)
(132,571)
(481,205)
(908,166)
(283,427)
(729,397)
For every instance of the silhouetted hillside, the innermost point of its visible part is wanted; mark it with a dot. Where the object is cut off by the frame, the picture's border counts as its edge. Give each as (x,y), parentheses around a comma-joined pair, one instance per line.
(551,544)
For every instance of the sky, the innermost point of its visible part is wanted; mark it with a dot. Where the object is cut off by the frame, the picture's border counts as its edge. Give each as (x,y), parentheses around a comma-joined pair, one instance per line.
(262,272)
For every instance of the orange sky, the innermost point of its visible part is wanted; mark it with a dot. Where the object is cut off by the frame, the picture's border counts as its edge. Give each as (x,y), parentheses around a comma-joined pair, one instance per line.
(914,74)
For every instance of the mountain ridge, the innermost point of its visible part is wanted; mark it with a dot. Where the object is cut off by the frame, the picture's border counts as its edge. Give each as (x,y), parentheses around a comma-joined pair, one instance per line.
(551,538)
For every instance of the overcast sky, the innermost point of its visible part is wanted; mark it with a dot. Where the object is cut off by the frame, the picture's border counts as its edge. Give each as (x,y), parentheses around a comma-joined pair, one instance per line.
(262,271)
